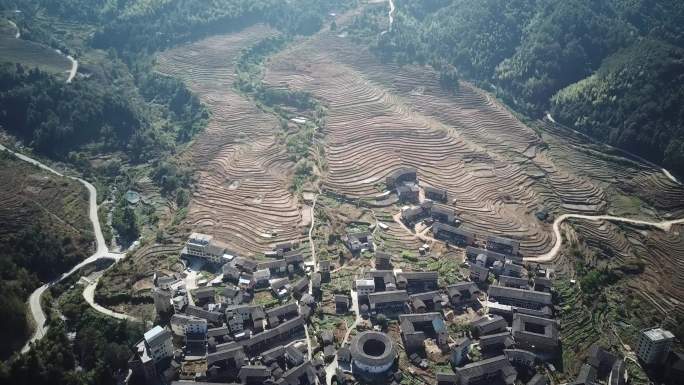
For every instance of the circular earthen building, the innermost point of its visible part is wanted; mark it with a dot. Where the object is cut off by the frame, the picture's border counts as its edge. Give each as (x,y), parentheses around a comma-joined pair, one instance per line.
(372,352)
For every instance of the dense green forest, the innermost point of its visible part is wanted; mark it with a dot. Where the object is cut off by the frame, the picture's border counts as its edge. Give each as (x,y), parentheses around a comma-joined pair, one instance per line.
(98,353)
(138,26)
(533,53)
(31,256)
(634,100)
(56,118)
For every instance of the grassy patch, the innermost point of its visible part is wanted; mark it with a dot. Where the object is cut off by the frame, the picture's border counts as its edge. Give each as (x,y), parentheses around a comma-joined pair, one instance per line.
(34,55)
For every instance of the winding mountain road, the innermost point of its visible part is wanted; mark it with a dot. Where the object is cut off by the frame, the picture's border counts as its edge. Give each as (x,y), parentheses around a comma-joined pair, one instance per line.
(551,255)
(391,17)
(18,34)
(548,257)
(101,251)
(73,70)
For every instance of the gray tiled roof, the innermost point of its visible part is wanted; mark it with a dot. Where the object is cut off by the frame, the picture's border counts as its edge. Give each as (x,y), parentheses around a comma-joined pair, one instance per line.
(388,296)
(520,294)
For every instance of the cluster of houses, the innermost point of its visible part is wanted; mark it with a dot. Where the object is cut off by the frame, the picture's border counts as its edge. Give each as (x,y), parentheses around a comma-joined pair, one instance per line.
(654,351)
(517,333)
(497,325)
(216,333)
(514,334)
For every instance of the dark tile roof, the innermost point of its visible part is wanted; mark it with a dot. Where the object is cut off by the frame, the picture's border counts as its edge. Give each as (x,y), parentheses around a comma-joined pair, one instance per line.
(441,227)
(388,296)
(520,294)
(503,241)
(294,355)
(487,325)
(279,311)
(419,275)
(446,378)
(245,263)
(461,287)
(219,331)
(197,311)
(276,264)
(505,280)
(254,371)
(272,355)
(435,190)
(487,366)
(292,376)
(301,284)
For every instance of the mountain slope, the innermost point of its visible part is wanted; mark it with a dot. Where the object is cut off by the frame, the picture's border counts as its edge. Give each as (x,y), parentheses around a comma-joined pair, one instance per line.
(527,51)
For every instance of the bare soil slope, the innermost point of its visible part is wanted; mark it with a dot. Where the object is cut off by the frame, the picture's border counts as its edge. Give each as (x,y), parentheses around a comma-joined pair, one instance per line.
(242,197)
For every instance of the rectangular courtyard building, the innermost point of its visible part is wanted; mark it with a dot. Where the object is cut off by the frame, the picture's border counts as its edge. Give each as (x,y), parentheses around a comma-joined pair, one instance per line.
(389,303)
(436,194)
(417,281)
(503,245)
(535,333)
(401,175)
(492,370)
(452,234)
(529,299)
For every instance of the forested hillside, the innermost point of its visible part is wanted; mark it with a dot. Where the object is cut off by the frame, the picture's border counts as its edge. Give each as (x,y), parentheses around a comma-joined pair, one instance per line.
(529,51)
(56,118)
(635,100)
(45,232)
(150,25)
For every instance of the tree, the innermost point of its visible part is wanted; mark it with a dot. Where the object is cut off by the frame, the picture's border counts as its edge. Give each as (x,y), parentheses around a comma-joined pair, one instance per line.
(382,320)
(125,221)
(448,78)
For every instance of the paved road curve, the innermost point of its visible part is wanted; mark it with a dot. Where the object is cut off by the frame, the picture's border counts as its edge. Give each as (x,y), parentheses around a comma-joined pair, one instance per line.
(101,251)
(17,35)
(391,17)
(73,70)
(548,257)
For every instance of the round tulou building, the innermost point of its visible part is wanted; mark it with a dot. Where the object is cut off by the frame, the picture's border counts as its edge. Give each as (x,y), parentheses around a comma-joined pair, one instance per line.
(372,353)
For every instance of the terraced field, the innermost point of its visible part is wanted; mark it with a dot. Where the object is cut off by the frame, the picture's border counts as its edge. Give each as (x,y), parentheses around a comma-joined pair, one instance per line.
(632,249)
(498,170)
(653,193)
(242,196)
(30,196)
(31,55)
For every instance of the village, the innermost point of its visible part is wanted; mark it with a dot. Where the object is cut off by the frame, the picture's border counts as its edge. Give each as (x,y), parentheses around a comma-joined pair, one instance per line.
(496,326)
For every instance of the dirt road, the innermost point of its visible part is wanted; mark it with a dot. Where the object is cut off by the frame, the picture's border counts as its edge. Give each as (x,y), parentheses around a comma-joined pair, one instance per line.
(548,257)
(665,171)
